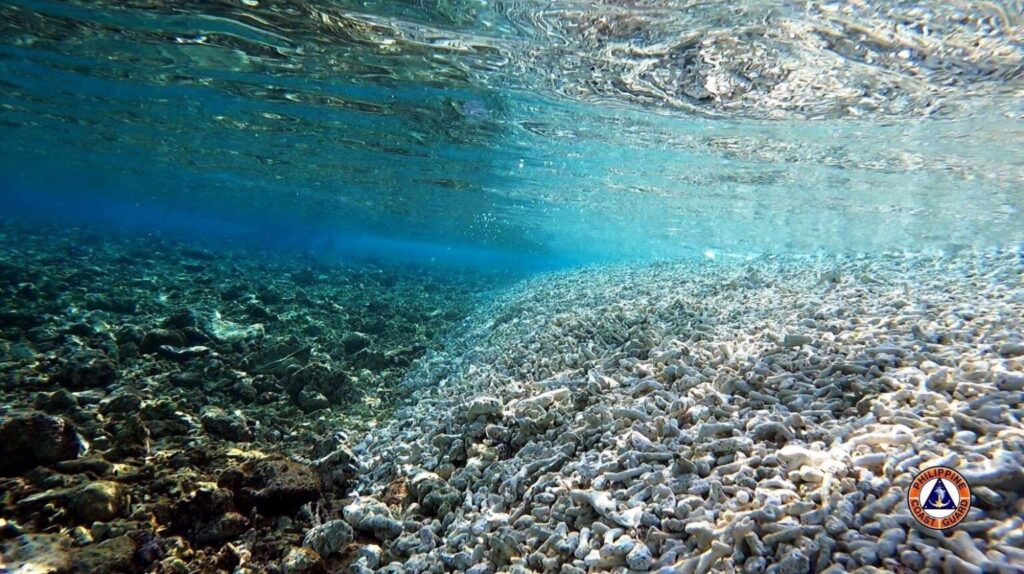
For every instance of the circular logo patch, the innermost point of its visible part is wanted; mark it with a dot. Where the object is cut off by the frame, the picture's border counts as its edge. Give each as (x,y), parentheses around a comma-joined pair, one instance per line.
(939,497)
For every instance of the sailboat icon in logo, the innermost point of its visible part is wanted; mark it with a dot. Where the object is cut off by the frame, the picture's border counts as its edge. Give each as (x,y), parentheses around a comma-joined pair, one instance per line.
(939,499)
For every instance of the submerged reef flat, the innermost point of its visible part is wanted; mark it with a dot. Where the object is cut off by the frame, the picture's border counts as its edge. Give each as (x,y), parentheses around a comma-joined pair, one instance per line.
(173,409)
(170,408)
(764,416)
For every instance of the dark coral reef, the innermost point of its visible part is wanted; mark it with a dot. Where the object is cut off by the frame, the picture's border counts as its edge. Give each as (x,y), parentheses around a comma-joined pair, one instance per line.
(169,408)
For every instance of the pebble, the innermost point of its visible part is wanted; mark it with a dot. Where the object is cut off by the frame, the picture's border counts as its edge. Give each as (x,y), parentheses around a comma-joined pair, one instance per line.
(640,558)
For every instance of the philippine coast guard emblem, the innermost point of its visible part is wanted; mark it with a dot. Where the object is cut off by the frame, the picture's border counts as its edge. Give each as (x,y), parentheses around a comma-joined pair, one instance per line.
(939,497)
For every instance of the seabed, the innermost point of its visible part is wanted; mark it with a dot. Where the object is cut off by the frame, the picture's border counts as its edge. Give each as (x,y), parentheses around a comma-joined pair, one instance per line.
(166,408)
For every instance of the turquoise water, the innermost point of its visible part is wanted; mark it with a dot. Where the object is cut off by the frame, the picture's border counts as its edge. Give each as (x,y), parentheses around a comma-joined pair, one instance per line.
(532,134)
(510,286)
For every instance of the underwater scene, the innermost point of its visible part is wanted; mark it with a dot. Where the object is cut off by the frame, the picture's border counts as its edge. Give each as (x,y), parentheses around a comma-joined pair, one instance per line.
(511,286)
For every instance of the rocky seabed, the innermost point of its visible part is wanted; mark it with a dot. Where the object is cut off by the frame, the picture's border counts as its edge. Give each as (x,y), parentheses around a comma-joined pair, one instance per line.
(766,416)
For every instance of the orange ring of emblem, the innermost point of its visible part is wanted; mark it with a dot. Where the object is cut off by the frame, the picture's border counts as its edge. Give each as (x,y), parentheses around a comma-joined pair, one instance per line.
(947,476)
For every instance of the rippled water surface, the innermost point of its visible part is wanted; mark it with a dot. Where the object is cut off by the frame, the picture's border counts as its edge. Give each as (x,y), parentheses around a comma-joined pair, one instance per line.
(561,131)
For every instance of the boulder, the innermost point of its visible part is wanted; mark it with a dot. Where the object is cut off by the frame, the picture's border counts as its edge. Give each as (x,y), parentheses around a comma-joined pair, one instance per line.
(29,439)
(274,486)
(99,501)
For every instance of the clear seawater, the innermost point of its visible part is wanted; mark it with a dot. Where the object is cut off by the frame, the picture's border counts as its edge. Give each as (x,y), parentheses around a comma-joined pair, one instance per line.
(275,292)
(519,134)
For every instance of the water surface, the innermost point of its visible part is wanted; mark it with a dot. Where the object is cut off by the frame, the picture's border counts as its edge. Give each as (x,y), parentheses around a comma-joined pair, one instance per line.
(559,132)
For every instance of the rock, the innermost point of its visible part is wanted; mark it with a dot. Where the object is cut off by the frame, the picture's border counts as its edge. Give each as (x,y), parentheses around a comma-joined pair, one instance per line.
(129,335)
(187,380)
(86,371)
(101,531)
(22,352)
(337,469)
(355,341)
(93,464)
(156,338)
(310,401)
(483,406)
(181,354)
(317,377)
(35,553)
(131,438)
(282,362)
(794,562)
(182,319)
(120,403)
(305,277)
(640,558)
(208,517)
(82,329)
(29,439)
(221,529)
(220,423)
(163,419)
(369,359)
(195,336)
(150,549)
(276,486)
(100,501)
(81,536)
(362,507)
(373,517)
(122,304)
(329,538)
(370,555)
(302,561)
(380,526)
(435,495)
(796,340)
(59,401)
(227,332)
(21,319)
(1011,349)
(912,560)
(114,555)
(258,312)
